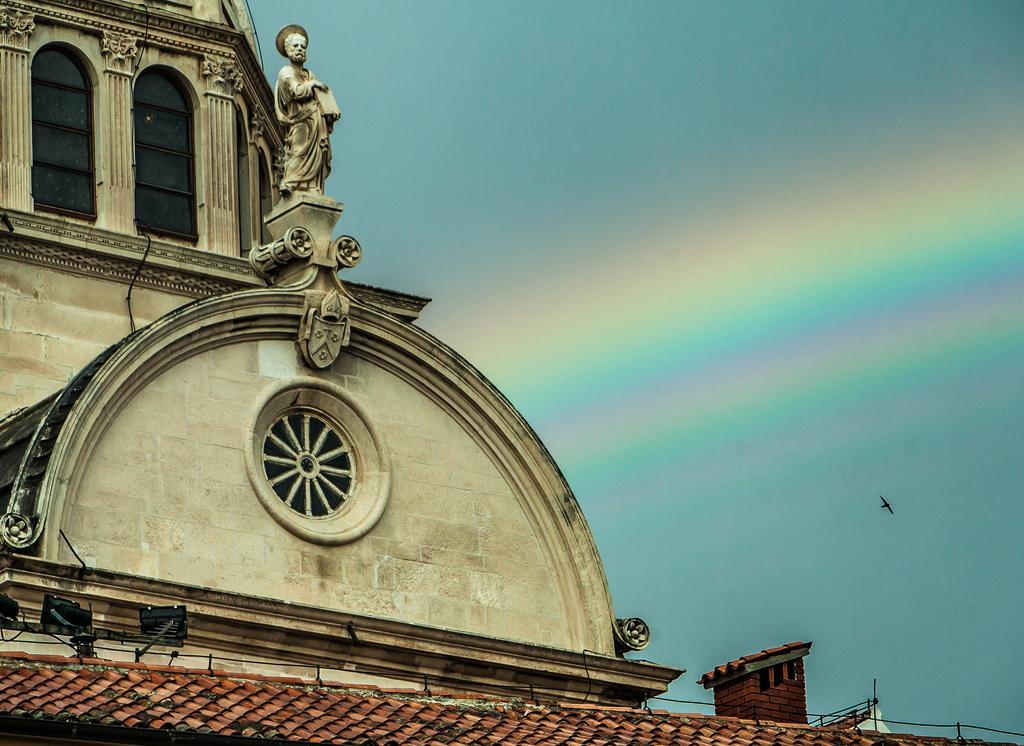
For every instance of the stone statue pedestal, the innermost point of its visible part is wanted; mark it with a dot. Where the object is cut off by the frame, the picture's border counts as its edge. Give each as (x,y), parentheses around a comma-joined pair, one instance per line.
(304,259)
(301,227)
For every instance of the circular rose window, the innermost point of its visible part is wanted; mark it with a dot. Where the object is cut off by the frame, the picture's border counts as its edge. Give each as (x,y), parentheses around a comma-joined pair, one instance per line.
(316,462)
(308,463)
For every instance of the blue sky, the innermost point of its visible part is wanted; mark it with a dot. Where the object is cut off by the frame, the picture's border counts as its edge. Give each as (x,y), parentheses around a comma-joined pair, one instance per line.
(752,264)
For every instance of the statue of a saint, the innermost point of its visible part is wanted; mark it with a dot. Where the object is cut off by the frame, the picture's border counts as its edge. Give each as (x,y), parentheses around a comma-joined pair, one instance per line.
(307,109)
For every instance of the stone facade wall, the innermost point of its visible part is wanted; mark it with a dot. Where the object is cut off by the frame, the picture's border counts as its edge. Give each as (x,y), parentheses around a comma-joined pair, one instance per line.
(53,323)
(219,85)
(165,494)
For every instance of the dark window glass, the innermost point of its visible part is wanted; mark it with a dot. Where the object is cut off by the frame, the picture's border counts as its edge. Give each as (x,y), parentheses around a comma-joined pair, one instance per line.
(791,670)
(57,147)
(266,199)
(61,188)
(164,129)
(159,90)
(164,160)
(62,162)
(777,674)
(60,106)
(162,169)
(763,677)
(166,211)
(53,66)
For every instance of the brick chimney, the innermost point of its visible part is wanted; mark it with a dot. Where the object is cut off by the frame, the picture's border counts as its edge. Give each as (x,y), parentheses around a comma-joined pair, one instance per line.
(762,686)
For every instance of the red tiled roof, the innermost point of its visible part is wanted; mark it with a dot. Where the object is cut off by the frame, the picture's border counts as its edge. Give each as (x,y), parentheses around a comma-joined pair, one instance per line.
(136,696)
(740,663)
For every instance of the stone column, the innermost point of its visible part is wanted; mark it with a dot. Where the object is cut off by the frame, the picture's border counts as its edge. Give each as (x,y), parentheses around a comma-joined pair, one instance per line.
(223,81)
(15,109)
(118,148)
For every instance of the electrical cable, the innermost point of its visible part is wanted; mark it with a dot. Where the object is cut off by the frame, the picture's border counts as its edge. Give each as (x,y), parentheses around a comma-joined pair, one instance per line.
(139,51)
(63,535)
(141,226)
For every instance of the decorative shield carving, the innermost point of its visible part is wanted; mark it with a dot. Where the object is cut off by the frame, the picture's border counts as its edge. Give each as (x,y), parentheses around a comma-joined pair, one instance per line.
(325,331)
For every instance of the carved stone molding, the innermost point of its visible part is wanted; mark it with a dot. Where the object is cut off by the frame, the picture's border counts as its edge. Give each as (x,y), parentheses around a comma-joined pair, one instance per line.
(256,129)
(15,27)
(120,50)
(84,262)
(198,283)
(222,76)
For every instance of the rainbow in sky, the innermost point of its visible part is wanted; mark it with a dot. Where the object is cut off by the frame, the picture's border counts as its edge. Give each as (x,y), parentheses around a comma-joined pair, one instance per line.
(900,270)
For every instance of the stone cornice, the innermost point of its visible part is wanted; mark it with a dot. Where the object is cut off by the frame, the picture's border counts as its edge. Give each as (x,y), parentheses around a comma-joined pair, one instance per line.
(241,625)
(52,242)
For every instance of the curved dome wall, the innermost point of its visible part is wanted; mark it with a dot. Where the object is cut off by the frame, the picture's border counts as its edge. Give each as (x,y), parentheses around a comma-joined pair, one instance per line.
(456,518)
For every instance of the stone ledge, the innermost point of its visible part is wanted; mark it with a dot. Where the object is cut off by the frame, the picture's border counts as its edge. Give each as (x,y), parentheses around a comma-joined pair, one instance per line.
(183,270)
(241,626)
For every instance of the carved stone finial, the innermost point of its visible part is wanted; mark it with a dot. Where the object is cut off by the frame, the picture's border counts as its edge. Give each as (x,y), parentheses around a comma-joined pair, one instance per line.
(631,634)
(223,76)
(121,51)
(15,27)
(307,110)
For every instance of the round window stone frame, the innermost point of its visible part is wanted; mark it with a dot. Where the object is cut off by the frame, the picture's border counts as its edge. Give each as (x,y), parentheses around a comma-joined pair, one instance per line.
(371,489)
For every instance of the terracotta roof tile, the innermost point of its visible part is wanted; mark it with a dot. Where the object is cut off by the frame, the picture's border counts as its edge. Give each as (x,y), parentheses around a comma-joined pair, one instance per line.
(740,663)
(259,707)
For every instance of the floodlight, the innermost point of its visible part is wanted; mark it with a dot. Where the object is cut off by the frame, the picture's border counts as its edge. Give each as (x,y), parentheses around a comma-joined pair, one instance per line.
(64,612)
(170,620)
(9,608)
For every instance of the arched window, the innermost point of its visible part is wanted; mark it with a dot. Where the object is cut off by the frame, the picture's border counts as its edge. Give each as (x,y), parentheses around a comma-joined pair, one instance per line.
(266,198)
(62,163)
(245,224)
(165,191)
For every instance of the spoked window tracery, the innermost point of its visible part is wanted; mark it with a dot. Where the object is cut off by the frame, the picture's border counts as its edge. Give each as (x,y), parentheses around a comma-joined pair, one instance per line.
(308,464)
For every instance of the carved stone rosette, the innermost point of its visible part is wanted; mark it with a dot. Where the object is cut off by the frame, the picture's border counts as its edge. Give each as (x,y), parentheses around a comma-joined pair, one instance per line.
(120,51)
(631,635)
(16,530)
(15,27)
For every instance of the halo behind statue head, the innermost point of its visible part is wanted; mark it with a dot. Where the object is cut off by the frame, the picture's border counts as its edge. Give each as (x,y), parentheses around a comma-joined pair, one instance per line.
(285,33)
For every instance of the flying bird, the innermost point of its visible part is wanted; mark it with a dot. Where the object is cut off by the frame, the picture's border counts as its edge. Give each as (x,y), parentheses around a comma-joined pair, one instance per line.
(886,506)
(7,221)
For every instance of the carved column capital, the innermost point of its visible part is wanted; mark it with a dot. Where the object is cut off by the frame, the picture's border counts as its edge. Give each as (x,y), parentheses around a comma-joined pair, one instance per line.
(15,27)
(120,50)
(223,76)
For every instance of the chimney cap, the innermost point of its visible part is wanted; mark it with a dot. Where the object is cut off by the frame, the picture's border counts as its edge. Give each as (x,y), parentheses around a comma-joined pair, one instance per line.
(754,662)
